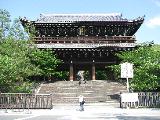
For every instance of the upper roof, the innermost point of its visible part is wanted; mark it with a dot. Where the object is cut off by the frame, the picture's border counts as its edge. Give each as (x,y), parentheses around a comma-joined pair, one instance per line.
(70,18)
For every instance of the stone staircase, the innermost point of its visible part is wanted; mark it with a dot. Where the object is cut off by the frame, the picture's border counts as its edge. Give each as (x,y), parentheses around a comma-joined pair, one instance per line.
(95,91)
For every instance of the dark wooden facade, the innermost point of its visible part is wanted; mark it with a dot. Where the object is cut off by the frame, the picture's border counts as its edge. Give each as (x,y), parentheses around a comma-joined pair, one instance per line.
(85,41)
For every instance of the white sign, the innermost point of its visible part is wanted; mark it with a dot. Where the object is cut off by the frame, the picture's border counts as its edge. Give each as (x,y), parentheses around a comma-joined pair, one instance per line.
(126,70)
(129,97)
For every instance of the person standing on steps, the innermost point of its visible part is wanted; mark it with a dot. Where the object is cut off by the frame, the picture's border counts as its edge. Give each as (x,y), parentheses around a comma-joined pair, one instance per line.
(81,77)
(81,102)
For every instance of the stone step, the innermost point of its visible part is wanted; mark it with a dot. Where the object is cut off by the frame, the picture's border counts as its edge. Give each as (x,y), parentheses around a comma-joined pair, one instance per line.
(93,91)
(72,101)
(69,91)
(83,85)
(75,99)
(85,95)
(88,105)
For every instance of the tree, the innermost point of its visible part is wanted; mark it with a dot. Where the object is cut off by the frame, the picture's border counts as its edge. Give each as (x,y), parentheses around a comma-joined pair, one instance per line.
(146,60)
(16,31)
(4,23)
(15,64)
(20,60)
(47,61)
(101,75)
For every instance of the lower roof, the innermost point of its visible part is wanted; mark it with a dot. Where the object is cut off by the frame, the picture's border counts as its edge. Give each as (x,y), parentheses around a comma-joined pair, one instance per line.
(83,46)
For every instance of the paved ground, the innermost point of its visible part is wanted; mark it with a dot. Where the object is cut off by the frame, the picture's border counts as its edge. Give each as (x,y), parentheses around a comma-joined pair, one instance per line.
(92,112)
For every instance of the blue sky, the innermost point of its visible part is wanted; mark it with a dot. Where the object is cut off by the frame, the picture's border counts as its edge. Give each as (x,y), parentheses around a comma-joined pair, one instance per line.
(130,9)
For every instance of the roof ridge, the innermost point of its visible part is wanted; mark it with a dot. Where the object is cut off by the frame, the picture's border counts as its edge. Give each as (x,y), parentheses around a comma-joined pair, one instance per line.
(82,14)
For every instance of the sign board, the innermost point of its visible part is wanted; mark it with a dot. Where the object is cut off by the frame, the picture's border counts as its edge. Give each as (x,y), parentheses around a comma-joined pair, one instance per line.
(129,97)
(126,70)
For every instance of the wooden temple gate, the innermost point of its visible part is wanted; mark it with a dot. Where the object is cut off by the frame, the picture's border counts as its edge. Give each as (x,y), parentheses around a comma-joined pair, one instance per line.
(85,40)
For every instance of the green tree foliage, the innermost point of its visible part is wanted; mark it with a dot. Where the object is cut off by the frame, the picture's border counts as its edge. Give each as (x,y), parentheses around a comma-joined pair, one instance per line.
(20,60)
(16,31)
(15,64)
(101,75)
(47,61)
(146,60)
(4,23)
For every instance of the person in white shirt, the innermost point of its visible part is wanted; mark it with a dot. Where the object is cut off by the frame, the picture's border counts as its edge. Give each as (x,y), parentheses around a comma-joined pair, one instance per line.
(81,102)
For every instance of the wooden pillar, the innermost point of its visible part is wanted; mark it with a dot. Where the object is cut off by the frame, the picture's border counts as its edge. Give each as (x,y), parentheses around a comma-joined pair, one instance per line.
(90,73)
(93,71)
(75,73)
(71,71)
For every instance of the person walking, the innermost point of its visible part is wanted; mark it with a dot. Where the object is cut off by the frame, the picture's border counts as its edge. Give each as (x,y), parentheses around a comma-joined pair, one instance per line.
(81,102)
(81,77)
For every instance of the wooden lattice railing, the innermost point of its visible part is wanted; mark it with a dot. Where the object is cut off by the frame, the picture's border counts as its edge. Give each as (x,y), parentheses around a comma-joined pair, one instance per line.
(145,99)
(25,101)
(86,39)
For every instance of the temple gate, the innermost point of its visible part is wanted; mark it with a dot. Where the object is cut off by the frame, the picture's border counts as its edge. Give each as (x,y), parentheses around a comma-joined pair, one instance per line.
(85,41)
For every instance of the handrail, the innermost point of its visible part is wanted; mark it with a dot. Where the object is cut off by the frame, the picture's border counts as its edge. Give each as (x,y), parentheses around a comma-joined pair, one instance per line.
(86,39)
(145,99)
(25,101)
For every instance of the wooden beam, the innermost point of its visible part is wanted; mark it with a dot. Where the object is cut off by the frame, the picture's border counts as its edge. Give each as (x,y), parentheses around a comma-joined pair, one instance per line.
(71,71)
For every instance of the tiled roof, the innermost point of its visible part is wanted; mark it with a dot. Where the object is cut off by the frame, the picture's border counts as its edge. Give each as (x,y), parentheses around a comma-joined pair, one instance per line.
(69,18)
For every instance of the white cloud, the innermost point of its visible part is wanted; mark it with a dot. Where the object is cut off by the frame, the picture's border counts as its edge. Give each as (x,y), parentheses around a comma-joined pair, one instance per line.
(154,22)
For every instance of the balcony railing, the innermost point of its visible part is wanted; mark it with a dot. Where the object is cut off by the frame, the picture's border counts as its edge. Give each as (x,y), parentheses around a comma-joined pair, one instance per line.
(86,39)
